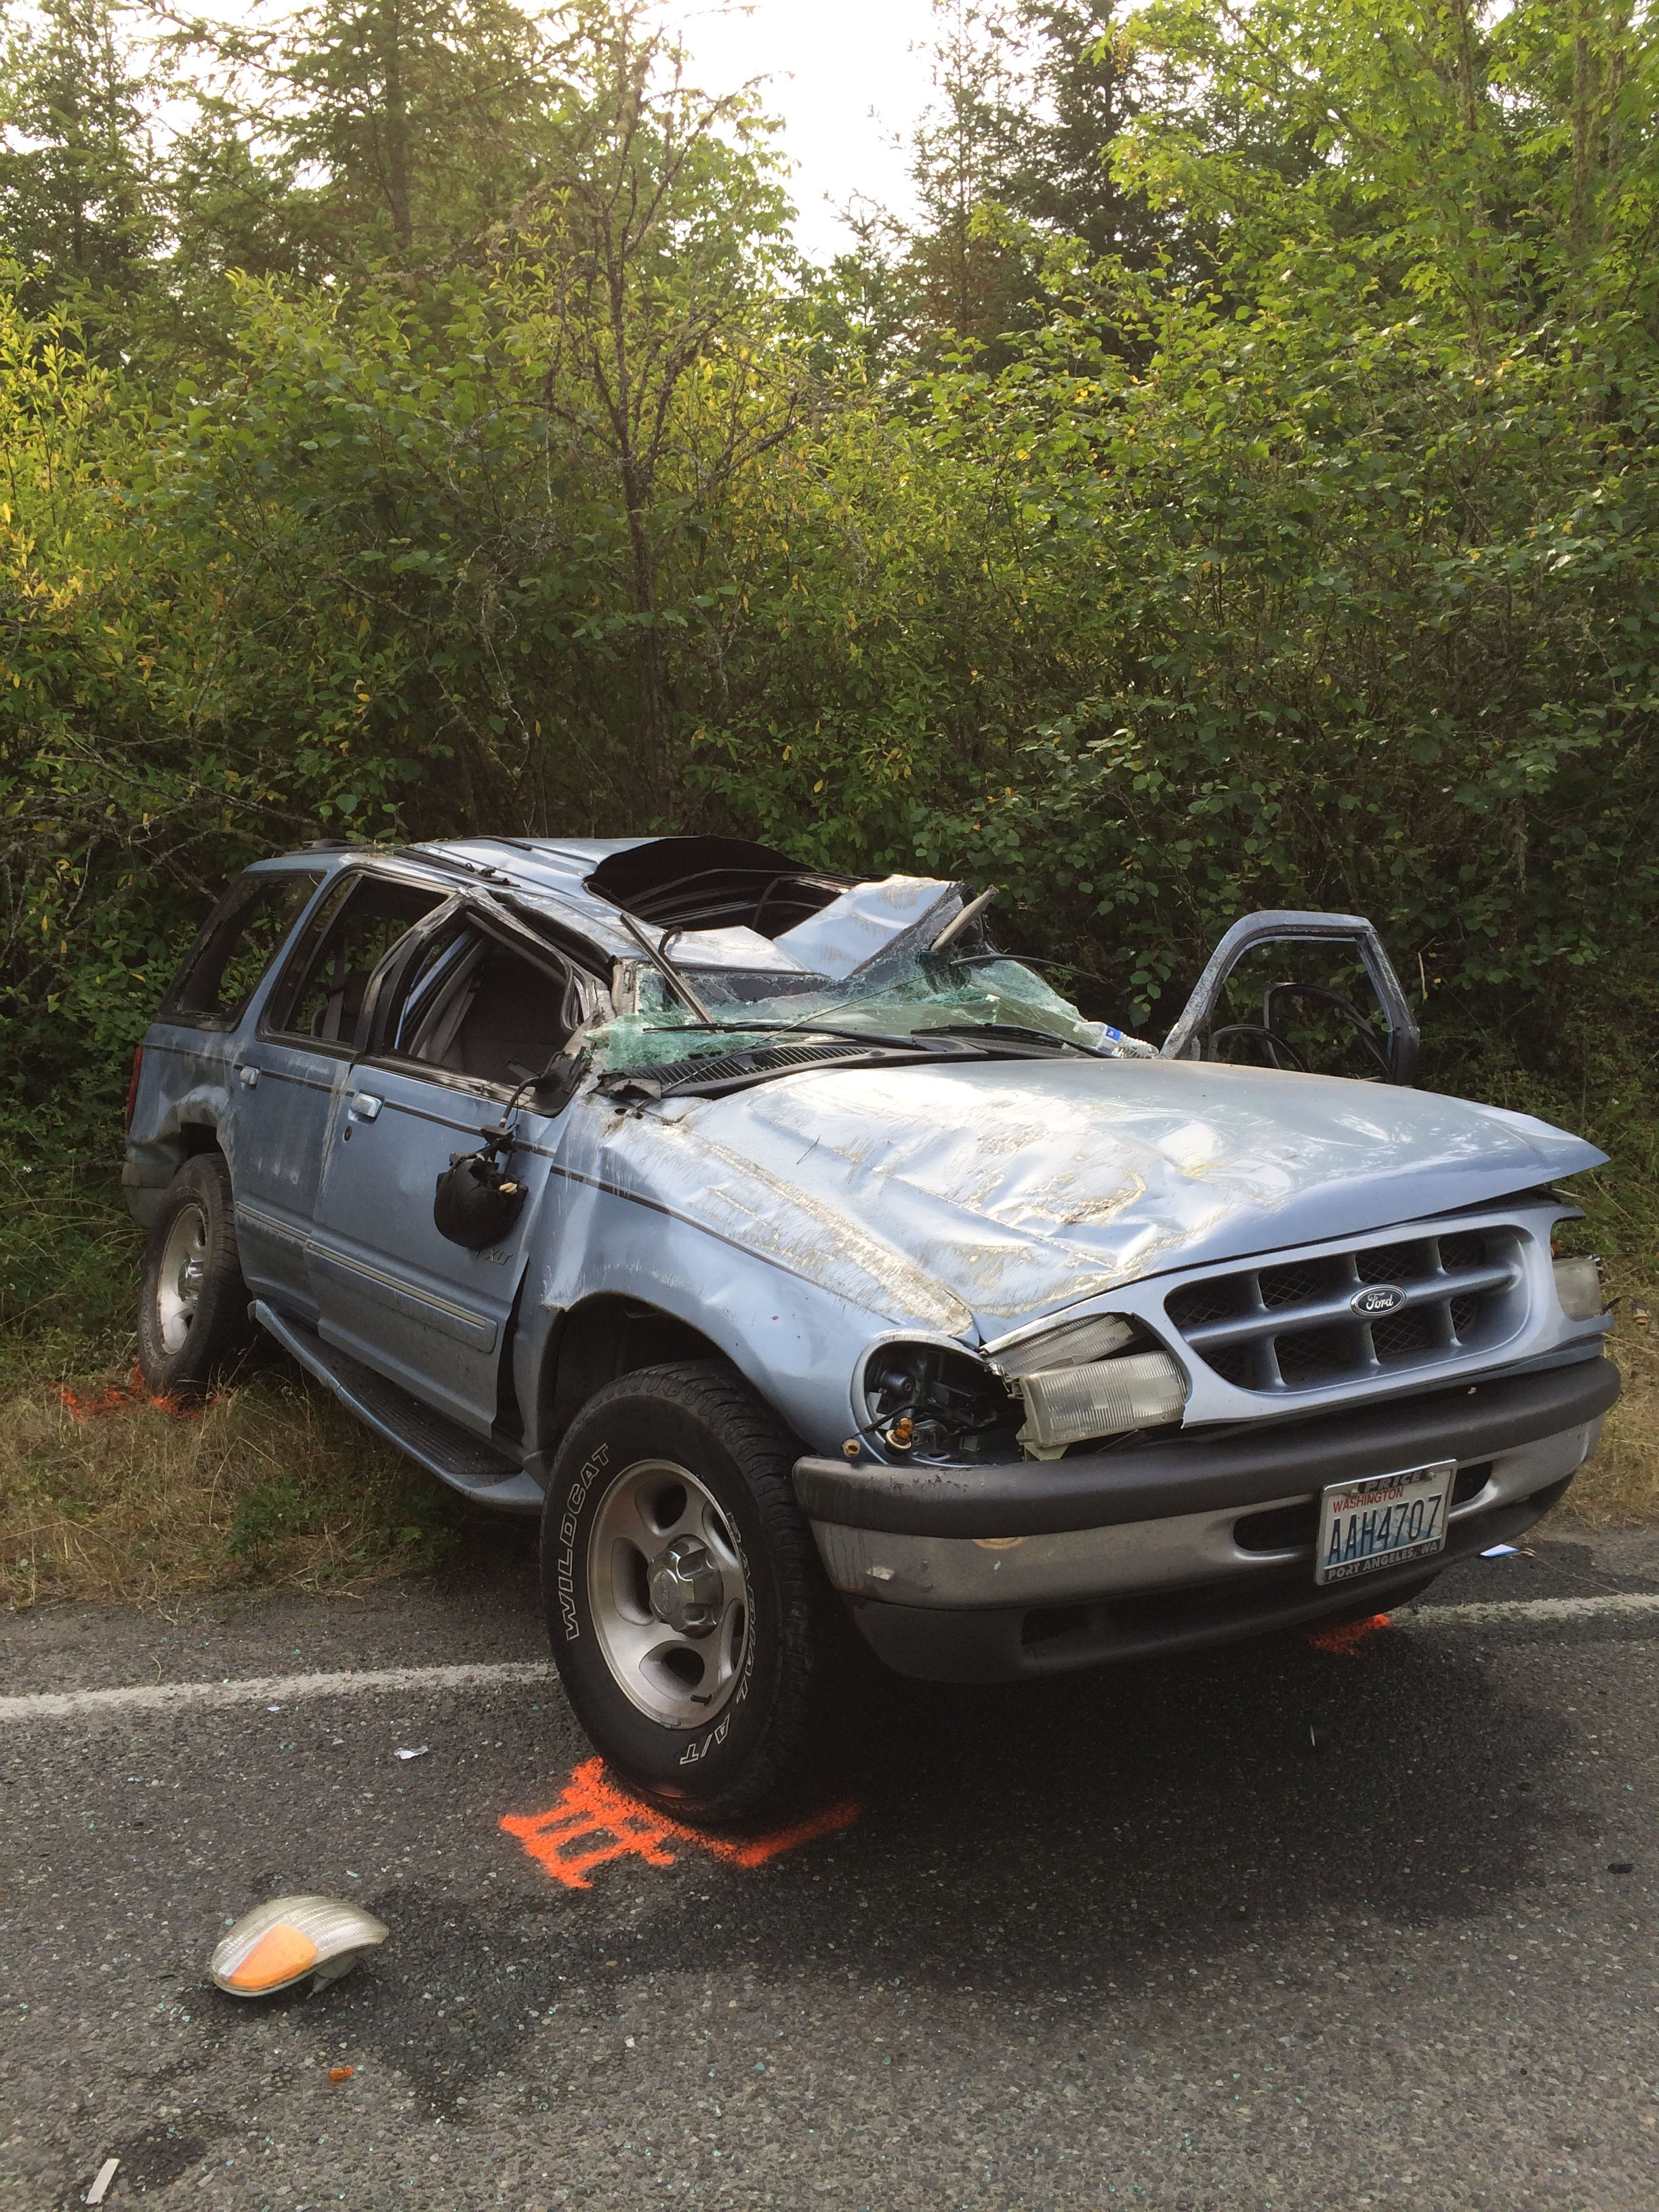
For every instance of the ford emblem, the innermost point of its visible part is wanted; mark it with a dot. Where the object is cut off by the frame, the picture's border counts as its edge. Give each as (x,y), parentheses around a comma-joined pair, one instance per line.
(1378,1299)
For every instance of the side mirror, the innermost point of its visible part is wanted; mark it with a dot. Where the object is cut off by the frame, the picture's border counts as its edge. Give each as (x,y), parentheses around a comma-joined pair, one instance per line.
(1396,1058)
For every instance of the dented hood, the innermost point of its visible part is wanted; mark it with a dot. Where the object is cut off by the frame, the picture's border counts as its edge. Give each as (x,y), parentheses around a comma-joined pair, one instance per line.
(977,1197)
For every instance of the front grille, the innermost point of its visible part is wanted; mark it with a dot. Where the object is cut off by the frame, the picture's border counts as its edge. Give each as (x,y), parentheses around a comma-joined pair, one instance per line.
(1290,1325)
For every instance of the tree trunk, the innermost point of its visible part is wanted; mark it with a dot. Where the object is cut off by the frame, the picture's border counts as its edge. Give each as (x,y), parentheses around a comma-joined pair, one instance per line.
(396,125)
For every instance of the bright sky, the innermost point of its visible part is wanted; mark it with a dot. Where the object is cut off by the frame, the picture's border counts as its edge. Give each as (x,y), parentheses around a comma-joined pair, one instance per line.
(849,77)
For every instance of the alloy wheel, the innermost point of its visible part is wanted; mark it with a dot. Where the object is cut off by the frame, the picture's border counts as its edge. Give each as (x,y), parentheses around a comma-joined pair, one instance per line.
(181,1276)
(668,1595)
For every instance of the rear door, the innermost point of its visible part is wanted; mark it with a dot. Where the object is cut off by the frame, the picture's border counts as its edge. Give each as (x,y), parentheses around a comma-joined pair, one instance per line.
(194,1051)
(291,1068)
(463,1019)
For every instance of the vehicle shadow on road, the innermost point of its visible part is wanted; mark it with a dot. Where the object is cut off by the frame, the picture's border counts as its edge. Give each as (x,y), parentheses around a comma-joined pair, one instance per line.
(1169,1808)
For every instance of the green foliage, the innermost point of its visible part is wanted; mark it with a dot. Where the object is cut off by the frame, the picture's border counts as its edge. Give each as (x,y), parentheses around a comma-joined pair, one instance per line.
(1296,546)
(68,1269)
(78,201)
(412,1529)
(276,1508)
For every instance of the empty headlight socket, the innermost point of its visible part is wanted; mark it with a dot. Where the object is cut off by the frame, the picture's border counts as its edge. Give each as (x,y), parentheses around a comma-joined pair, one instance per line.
(935,1401)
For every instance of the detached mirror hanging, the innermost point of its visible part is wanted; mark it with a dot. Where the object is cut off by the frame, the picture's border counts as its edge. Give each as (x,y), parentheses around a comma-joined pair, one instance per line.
(477,1201)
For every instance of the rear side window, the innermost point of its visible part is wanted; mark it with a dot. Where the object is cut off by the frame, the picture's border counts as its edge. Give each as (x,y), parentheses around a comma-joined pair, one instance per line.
(321,992)
(240,938)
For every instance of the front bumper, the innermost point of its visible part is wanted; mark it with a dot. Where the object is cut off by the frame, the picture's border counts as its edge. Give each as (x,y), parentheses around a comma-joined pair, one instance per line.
(980,1574)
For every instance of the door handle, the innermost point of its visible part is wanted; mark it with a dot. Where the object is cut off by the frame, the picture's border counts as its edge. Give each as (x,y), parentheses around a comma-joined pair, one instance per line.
(250,1077)
(364,1106)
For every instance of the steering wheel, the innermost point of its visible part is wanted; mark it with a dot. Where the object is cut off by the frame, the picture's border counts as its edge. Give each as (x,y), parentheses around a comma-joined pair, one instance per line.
(1280,1052)
(1375,1050)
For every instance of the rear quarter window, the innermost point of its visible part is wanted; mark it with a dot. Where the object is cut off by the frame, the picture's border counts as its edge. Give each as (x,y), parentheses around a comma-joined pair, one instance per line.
(240,939)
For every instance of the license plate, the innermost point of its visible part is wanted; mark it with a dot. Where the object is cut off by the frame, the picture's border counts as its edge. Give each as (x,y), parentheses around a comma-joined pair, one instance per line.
(1383,1521)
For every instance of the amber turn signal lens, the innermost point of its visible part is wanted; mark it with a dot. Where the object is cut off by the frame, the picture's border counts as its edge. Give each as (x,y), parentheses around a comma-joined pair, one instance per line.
(278,1958)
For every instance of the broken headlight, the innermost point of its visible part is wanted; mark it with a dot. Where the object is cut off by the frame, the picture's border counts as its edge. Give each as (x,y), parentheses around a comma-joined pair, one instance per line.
(1073,1343)
(1102,1375)
(934,1401)
(1578,1286)
(1103,1398)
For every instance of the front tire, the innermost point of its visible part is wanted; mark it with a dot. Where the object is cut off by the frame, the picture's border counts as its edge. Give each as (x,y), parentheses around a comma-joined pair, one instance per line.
(690,1617)
(192,1301)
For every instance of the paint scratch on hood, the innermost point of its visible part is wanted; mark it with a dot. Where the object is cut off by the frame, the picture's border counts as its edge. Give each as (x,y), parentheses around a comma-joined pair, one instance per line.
(795,1225)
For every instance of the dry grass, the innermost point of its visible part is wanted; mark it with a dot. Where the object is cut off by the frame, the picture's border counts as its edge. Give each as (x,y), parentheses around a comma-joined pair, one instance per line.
(1620,1485)
(272,1483)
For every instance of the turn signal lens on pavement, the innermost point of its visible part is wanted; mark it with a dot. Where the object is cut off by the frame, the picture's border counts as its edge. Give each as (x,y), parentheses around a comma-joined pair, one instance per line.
(280,1943)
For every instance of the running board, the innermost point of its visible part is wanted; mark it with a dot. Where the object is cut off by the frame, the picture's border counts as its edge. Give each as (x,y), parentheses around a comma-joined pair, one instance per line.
(456,1456)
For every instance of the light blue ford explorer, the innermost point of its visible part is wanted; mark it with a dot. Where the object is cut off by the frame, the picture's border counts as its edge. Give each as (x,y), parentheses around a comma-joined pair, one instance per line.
(800,1257)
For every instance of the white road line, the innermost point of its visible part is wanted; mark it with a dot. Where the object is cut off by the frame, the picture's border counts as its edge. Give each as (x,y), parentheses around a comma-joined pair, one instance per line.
(1540,1609)
(268,1689)
(285,1689)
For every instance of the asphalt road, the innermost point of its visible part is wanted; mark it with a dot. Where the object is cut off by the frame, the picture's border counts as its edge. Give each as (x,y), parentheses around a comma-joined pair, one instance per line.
(1280,1927)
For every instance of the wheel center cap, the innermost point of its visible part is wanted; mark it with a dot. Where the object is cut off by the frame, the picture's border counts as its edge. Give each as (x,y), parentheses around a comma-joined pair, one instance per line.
(686,1587)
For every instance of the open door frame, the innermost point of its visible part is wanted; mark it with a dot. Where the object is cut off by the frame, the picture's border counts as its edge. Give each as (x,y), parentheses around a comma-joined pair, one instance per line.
(1278,925)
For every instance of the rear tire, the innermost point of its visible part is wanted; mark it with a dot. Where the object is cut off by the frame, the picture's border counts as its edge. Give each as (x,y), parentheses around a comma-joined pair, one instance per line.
(192,1301)
(689,1615)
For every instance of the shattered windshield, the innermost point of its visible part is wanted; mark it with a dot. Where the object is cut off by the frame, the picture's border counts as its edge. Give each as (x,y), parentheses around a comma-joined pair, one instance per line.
(867,966)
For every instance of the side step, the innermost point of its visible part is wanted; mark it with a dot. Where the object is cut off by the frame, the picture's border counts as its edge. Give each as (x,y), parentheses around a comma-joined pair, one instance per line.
(466,1462)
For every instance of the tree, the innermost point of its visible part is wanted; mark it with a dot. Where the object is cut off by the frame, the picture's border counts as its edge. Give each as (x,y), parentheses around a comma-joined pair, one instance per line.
(965,267)
(1082,94)
(639,278)
(371,128)
(1031,96)
(77,171)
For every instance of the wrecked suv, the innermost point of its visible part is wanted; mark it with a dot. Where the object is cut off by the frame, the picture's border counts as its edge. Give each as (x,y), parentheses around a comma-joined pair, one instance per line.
(800,1257)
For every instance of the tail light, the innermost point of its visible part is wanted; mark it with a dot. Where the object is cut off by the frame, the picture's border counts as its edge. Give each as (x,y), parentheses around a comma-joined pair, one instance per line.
(132,1086)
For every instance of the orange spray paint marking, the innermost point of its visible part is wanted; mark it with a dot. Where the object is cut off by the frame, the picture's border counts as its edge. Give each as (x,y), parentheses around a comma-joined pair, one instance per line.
(1346,1640)
(122,1397)
(595,1821)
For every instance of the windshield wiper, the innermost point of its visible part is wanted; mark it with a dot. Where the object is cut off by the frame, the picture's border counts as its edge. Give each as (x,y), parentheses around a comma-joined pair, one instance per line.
(909,1040)
(754,1063)
(1015,1033)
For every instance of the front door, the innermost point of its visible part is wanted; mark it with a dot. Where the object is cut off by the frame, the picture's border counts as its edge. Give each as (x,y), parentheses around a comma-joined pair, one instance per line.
(469,1016)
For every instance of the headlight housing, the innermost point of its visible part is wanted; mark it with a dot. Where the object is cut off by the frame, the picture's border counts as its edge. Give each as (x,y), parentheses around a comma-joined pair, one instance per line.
(1578,1286)
(1099,1398)
(937,1401)
(1102,1375)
